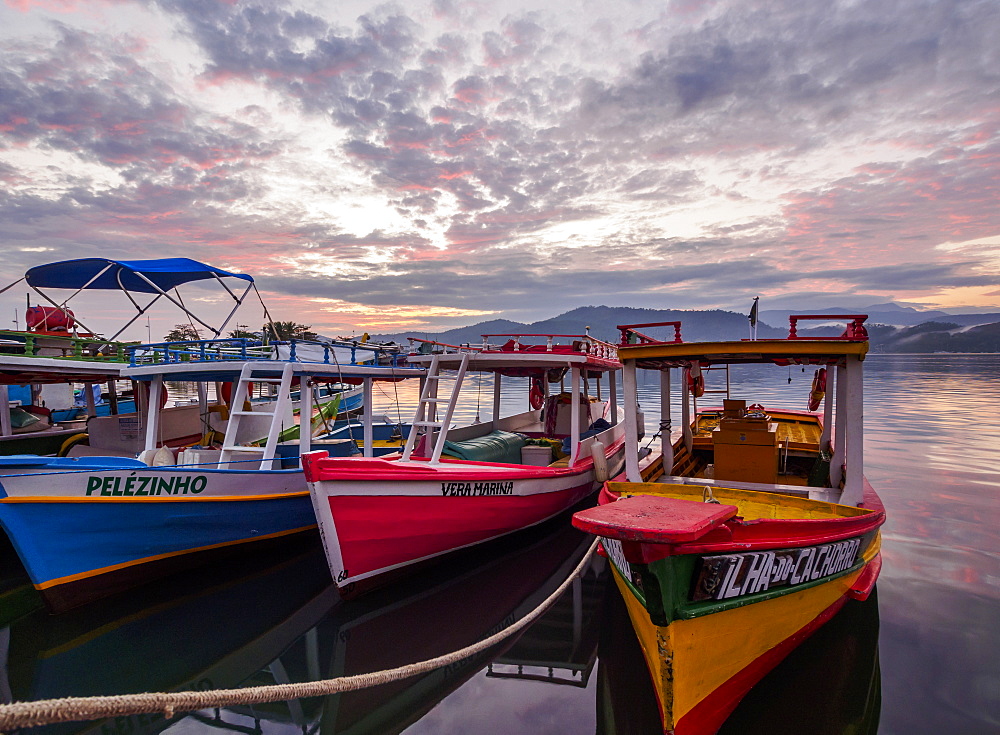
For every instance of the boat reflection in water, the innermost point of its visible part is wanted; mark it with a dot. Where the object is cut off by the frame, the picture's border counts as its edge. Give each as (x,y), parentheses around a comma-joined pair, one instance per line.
(255,624)
(456,605)
(263,621)
(192,632)
(829,685)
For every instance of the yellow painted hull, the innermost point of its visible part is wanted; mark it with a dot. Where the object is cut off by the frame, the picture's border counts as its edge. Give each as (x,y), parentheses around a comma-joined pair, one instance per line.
(702,667)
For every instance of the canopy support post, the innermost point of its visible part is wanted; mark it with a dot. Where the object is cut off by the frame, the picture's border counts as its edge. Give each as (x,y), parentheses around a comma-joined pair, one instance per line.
(496,400)
(113,397)
(666,444)
(613,395)
(88,393)
(175,302)
(153,411)
(305,414)
(239,303)
(631,399)
(6,429)
(839,430)
(367,409)
(63,308)
(686,410)
(574,414)
(854,475)
(831,386)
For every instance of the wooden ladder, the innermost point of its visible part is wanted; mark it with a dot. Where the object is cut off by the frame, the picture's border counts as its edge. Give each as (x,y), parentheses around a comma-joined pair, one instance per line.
(426,415)
(281,413)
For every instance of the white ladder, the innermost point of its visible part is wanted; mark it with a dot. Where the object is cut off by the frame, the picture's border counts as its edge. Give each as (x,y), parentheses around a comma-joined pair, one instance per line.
(281,414)
(425,417)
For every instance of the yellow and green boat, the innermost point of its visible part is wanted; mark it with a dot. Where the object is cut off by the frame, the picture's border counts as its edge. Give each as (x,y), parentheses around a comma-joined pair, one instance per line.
(751,530)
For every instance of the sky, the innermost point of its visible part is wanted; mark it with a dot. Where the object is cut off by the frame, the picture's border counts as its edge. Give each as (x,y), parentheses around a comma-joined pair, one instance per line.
(418,166)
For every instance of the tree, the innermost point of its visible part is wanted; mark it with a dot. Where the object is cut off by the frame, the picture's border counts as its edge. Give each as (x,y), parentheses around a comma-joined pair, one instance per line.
(242,331)
(182,333)
(289,330)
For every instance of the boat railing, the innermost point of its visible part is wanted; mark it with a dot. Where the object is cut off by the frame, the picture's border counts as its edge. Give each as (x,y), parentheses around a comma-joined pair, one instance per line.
(243,349)
(582,343)
(854,332)
(631,334)
(73,346)
(429,346)
(315,351)
(197,350)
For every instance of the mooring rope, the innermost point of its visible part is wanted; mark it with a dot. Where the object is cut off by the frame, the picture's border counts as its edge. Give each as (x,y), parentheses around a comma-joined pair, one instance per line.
(69,709)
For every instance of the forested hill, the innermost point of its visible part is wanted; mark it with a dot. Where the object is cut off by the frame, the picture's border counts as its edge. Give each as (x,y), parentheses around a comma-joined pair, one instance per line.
(942,335)
(603,323)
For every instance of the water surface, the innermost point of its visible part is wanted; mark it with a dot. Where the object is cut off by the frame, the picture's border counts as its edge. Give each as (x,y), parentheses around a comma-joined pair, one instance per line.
(921,656)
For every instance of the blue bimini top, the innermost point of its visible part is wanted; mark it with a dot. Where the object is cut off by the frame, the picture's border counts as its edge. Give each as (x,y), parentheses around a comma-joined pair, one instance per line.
(102,273)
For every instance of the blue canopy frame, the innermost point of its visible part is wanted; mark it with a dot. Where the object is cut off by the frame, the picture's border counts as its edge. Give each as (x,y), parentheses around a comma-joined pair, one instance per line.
(137,276)
(133,276)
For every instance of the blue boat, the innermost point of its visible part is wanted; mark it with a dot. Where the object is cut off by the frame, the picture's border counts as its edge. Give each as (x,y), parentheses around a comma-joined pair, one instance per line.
(172,487)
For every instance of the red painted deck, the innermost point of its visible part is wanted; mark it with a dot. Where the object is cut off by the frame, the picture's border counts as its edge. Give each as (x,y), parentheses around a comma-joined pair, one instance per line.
(653,519)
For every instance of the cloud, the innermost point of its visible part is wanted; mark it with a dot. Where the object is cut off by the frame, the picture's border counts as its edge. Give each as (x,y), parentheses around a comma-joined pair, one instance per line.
(512,158)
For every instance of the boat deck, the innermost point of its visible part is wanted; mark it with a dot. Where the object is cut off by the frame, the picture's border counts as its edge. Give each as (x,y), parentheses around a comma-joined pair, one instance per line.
(800,432)
(796,443)
(752,504)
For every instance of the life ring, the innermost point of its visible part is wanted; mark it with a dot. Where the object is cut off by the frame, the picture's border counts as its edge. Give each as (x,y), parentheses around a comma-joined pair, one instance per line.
(226,391)
(163,394)
(696,381)
(536,396)
(818,389)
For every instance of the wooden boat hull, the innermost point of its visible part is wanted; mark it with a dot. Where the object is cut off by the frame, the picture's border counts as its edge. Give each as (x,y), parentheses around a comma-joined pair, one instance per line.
(86,533)
(718,600)
(377,516)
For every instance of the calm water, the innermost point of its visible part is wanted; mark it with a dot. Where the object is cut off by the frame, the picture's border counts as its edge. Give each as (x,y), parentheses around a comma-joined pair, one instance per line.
(923,656)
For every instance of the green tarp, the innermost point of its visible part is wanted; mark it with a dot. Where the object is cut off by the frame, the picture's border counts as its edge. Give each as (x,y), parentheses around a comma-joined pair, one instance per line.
(499,446)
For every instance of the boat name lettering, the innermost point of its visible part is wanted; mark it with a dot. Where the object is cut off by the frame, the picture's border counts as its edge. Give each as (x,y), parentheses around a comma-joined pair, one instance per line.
(138,485)
(452,489)
(735,575)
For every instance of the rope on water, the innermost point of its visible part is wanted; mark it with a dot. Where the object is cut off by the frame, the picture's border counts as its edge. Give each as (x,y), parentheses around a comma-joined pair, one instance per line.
(69,709)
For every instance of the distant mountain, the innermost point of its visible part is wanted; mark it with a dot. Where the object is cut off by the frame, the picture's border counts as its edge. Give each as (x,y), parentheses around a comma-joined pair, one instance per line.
(889,313)
(942,337)
(877,314)
(968,320)
(602,322)
(951,333)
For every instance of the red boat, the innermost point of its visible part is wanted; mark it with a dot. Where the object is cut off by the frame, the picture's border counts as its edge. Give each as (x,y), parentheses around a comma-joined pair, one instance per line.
(751,530)
(452,488)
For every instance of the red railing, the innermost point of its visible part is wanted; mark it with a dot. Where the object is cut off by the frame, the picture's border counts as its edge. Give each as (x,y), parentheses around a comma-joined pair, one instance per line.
(631,330)
(447,347)
(855,330)
(583,343)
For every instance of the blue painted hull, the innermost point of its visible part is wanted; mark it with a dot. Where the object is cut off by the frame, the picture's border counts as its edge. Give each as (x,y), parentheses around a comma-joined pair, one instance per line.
(103,409)
(88,547)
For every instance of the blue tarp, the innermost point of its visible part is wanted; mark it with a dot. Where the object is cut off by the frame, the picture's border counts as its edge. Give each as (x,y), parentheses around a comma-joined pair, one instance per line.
(164,272)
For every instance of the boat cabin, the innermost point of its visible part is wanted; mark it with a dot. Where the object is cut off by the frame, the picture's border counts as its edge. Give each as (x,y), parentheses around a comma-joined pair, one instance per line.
(740,442)
(228,428)
(565,412)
